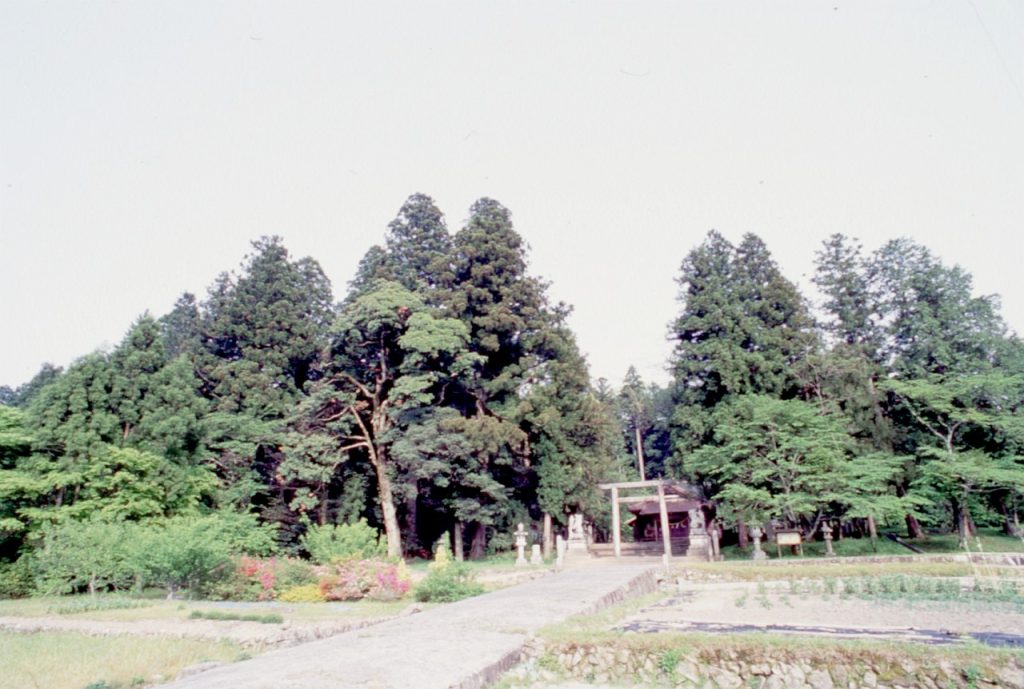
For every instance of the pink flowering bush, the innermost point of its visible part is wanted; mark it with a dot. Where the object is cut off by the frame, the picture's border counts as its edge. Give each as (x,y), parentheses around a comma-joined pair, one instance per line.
(373,578)
(256,578)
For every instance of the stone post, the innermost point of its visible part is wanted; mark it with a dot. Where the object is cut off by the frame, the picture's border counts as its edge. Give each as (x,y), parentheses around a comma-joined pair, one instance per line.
(826,533)
(520,535)
(756,533)
(535,556)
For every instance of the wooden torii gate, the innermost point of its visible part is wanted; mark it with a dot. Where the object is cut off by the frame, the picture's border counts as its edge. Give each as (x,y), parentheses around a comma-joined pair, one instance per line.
(698,535)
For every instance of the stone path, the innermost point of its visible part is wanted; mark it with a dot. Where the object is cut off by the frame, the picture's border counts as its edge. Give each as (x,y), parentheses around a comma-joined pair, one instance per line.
(462,645)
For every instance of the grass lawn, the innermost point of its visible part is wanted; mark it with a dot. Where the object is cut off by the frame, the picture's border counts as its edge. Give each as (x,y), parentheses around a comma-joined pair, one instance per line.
(74,661)
(991,541)
(501,561)
(125,609)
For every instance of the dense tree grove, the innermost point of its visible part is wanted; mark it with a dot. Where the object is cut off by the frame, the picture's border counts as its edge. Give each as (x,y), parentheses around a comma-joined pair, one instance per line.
(444,394)
(902,402)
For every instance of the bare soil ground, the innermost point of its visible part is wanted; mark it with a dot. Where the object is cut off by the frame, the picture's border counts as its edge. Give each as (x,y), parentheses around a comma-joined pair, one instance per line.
(772,607)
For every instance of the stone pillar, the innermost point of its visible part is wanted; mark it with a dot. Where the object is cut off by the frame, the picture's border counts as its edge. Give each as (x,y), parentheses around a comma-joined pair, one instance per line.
(577,539)
(666,532)
(559,551)
(520,535)
(826,533)
(535,556)
(616,526)
(548,535)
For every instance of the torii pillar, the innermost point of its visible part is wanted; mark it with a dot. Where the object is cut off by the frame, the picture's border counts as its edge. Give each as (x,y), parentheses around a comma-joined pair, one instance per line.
(666,533)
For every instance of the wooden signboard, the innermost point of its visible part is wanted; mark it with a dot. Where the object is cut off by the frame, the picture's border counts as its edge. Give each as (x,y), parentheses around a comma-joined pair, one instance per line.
(790,538)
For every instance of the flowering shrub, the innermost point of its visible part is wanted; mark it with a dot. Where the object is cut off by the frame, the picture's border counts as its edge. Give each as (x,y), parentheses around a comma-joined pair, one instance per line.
(258,573)
(256,578)
(373,578)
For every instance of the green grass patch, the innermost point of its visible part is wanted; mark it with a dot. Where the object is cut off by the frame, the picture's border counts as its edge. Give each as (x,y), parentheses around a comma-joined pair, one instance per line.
(811,569)
(64,660)
(148,609)
(227,616)
(83,604)
(988,541)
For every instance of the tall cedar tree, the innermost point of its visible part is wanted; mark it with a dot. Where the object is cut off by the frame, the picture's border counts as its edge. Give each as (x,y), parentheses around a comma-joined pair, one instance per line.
(261,334)
(742,329)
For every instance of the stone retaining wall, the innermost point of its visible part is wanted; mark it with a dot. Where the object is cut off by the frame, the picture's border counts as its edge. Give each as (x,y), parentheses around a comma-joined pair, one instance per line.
(762,667)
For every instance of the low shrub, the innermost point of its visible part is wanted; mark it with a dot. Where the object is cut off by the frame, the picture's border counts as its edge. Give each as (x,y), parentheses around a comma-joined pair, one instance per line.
(304,593)
(331,542)
(291,572)
(446,580)
(374,578)
(16,578)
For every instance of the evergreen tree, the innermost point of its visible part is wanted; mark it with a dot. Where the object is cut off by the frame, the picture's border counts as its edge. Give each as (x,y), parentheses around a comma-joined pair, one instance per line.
(25,393)
(180,327)
(262,332)
(418,245)
(742,329)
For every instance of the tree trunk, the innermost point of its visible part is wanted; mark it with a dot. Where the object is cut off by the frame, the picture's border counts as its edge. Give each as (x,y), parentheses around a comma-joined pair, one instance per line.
(914,529)
(387,504)
(411,531)
(741,532)
(961,523)
(872,529)
(457,538)
(92,584)
(322,512)
(479,545)
(639,452)
(970,530)
(548,535)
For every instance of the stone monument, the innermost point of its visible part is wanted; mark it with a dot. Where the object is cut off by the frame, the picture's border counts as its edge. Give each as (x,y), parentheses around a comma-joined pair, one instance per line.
(826,533)
(756,533)
(577,540)
(520,535)
(535,556)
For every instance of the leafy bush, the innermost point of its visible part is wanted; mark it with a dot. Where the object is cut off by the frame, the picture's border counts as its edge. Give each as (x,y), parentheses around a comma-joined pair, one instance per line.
(305,593)
(446,580)
(190,554)
(330,542)
(448,584)
(79,555)
(16,578)
(373,578)
(292,572)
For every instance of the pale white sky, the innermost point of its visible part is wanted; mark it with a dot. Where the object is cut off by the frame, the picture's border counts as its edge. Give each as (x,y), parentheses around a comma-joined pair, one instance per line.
(144,144)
